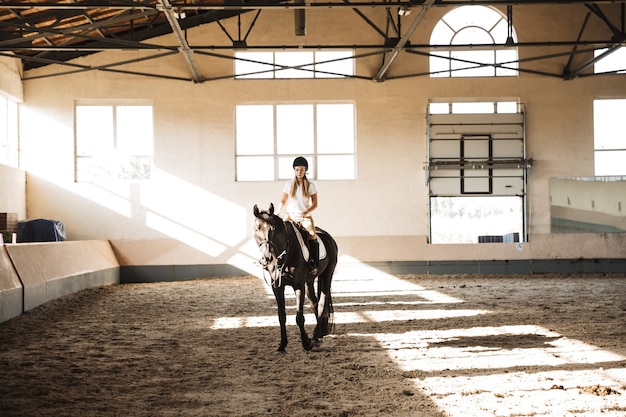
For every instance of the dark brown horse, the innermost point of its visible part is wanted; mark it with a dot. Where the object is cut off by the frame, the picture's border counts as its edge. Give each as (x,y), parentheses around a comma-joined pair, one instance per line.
(283,257)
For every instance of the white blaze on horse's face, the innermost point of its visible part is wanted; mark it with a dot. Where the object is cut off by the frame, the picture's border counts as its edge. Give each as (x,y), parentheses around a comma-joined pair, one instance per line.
(262,235)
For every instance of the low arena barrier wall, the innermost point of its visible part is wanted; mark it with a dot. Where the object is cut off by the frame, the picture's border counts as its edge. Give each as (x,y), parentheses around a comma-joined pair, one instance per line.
(46,271)
(11,290)
(34,273)
(171,260)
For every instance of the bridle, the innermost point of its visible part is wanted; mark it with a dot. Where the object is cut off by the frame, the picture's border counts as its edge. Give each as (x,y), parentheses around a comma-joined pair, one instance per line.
(280,260)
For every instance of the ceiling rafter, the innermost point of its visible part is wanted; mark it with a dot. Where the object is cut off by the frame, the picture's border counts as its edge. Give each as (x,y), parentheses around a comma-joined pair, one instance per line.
(46,32)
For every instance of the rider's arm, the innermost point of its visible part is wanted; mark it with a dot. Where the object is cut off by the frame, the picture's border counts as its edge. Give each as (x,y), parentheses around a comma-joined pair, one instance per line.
(283,202)
(313,205)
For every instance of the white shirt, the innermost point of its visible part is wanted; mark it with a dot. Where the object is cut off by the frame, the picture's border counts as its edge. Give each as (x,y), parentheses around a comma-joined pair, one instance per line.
(296,205)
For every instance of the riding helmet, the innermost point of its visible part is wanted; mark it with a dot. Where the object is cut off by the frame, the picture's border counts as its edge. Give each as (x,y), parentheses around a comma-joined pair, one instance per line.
(300,162)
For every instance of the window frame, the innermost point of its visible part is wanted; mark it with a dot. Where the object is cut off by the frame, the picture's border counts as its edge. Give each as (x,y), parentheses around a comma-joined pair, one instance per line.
(607,64)
(9,143)
(272,65)
(603,153)
(122,161)
(279,162)
(462,63)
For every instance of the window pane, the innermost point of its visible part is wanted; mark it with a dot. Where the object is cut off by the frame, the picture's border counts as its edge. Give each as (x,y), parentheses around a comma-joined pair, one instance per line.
(335,128)
(90,169)
(470,69)
(500,32)
(507,107)
(609,124)
(609,128)
(255,130)
(440,67)
(94,130)
(294,128)
(464,219)
(615,61)
(335,167)
(285,167)
(610,162)
(337,65)
(292,59)
(442,34)
(255,168)
(135,168)
(508,57)
(473,108)
(134,130)
(472,16)
(12,133)
(439,108)
(254,65)
(472,35)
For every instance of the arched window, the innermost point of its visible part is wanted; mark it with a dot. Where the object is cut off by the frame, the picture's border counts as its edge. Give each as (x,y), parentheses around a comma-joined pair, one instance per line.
(481,27)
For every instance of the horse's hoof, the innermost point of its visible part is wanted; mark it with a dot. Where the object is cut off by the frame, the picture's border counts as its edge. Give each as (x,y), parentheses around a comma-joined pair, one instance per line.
(281,349)
(309,345)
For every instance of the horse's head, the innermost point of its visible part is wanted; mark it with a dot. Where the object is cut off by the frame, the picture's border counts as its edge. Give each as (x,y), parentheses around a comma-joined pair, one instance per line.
(269,233)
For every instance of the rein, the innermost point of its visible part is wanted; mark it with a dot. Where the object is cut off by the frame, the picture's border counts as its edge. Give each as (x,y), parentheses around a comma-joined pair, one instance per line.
(280,266)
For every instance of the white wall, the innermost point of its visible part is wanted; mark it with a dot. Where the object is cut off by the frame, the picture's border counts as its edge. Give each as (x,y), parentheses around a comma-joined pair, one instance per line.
(193,209)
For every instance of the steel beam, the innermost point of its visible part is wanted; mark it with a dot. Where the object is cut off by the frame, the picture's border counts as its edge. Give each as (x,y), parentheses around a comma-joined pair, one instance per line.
(184,48)
(403,40)
(572,74)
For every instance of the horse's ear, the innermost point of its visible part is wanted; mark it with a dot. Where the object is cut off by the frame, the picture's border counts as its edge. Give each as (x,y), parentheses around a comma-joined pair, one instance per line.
(255,210)
(271,209)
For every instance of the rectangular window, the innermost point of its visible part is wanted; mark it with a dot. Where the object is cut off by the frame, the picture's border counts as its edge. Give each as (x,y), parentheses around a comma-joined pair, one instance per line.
(270,136)
(609,137)
(294,64)
(613,62)
(113,141)
(8,132)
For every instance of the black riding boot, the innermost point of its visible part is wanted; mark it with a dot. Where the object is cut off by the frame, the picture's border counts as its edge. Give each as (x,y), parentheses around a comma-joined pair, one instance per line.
(314,254)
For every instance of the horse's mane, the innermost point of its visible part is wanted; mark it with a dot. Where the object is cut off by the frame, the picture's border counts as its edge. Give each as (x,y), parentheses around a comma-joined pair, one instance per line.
(268,218)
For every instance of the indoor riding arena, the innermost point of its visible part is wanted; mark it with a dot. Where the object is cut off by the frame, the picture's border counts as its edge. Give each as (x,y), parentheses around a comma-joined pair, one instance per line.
(468,159)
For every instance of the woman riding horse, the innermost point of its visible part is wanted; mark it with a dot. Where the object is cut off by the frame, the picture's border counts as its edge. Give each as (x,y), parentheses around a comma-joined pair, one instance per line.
(300,198)
(282,256)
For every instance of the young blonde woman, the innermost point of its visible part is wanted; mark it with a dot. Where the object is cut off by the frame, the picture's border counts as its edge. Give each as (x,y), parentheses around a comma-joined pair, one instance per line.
(299,199)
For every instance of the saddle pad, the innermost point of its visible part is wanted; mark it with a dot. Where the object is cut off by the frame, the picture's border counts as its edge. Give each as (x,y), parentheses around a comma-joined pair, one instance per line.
(304,247)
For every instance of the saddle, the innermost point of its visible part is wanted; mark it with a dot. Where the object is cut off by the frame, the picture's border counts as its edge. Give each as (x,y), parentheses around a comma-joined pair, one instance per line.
(302,235)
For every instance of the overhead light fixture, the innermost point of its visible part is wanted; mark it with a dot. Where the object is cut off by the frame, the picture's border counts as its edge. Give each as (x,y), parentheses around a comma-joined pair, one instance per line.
(404,11)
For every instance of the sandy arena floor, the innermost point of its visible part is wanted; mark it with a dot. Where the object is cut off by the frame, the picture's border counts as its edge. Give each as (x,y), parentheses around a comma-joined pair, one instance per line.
(461,346)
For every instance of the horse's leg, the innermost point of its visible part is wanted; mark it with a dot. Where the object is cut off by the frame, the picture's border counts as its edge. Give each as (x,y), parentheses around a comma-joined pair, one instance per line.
(319,328)
(306,341)
(325,305)
(279,294)
(310,293)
